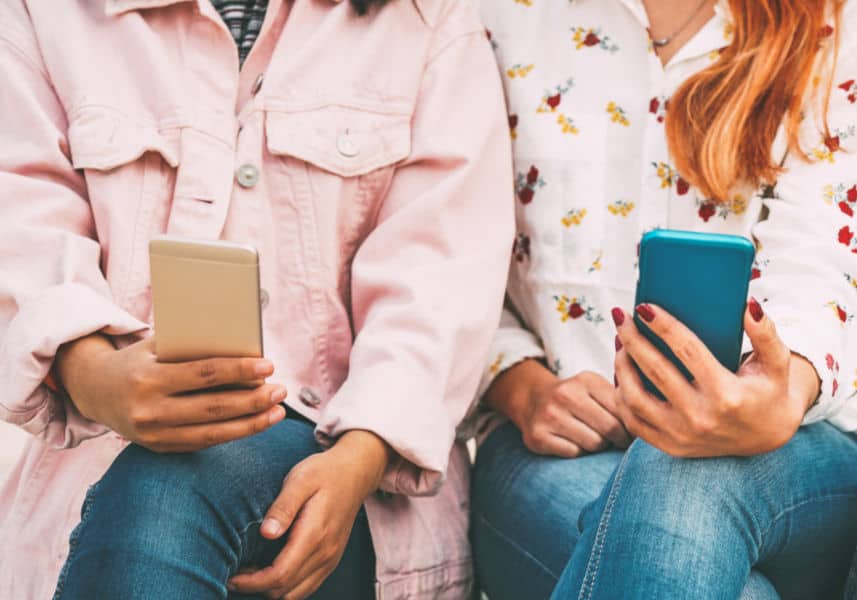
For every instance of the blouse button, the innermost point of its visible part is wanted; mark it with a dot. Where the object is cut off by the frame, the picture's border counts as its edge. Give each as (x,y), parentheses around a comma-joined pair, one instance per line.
(347,145)
(309,397)
(247,175)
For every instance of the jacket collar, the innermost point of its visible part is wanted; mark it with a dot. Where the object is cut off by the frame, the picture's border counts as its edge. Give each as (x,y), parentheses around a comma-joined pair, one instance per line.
(426,8)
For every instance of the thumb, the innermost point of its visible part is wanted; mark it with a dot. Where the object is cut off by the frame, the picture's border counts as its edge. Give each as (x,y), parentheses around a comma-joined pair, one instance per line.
(770,351)
(297,489)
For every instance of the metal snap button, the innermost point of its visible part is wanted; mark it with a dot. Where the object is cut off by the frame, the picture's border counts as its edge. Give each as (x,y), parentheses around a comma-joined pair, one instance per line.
(247,175)
(309,397)
(257,85)
(348,145)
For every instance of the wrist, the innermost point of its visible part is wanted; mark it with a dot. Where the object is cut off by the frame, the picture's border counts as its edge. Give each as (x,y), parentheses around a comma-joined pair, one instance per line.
(367,455)
(804,382)
(512,392)
(73,363)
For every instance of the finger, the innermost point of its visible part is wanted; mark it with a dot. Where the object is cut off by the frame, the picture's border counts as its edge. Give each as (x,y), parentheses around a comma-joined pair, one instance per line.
(769,350)
(211,407)
(640,410)
(310,584)
(301,552)
(190,438)
(602,414)
(298,488)
(571,428)
(663,374)
(212,372)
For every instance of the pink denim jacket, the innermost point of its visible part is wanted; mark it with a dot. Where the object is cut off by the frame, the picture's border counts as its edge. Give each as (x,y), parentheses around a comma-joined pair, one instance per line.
(375,180)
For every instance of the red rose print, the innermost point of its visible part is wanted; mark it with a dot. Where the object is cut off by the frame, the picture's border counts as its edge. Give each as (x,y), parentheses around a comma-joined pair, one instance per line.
(513,121)
(660,118)
(829,360)
(654,105)
(846,235)
(682,187)
(852,98)
(575,311)
(554,100)
(835,386)
(526,195)
(843,316)
(532,176)
(591,40)
(755,273)
(706,211)
(847,85)
(852,194)
(826,31)
(846,208)
(832,143)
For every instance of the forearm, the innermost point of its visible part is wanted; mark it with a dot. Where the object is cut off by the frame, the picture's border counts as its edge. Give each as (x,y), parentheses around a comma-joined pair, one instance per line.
(804,382)
(366,453)
(71,365)
(510,393)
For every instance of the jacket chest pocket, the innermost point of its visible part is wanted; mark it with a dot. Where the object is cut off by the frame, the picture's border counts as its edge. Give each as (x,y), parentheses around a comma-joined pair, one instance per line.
(340,162)
(130,175)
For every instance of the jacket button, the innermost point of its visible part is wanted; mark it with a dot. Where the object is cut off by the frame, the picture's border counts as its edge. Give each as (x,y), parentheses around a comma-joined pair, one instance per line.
(347,145)
(257,85)
(309,397)
(247,175)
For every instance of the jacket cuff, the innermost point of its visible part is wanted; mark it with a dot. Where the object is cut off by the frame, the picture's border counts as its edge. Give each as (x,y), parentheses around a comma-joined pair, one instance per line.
(60,314)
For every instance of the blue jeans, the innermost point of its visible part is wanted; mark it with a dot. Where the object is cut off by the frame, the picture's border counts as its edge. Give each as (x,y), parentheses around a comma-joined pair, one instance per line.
(179,525)
(642,524)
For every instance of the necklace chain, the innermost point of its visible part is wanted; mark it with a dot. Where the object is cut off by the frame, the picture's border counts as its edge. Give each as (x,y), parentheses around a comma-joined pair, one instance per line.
(664,41)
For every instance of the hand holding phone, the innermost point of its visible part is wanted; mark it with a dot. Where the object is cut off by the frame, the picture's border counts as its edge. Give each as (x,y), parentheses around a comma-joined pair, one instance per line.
(709,409)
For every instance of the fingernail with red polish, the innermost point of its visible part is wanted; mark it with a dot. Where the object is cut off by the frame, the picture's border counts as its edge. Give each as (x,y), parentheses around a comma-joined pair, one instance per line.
(755,309)
(646,313)
(618,344)
(618,315)
(270,527)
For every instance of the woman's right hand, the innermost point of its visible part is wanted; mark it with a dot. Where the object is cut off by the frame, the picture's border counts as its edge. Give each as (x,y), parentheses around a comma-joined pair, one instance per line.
(565,418)
(168,407)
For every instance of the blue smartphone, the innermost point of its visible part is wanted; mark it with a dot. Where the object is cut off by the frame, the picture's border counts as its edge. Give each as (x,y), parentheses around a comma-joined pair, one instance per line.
(701,279)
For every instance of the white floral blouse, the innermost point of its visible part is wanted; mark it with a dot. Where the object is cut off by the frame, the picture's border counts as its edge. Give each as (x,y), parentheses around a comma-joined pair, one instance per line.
(587,99)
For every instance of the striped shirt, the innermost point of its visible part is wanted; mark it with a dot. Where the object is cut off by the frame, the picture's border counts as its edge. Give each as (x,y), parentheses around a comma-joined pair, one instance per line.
(244,20)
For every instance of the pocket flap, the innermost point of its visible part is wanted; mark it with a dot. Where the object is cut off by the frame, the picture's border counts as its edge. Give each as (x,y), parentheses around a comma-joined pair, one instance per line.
(103,140)
(345,141)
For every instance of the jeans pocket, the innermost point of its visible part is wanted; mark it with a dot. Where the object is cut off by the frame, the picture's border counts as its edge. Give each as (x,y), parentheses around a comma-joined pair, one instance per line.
(75,536)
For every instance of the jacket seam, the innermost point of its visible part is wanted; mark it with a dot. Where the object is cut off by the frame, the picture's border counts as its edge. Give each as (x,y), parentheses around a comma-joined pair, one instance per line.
(31,62)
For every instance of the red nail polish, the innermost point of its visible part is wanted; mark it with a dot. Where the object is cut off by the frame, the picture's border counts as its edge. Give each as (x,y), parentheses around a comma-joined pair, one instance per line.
(646,313)
(618,315)
(755,309)
(618,344)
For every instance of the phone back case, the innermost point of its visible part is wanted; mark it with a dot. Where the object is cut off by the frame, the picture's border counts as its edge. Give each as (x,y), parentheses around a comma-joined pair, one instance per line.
(702,279)
(205,296)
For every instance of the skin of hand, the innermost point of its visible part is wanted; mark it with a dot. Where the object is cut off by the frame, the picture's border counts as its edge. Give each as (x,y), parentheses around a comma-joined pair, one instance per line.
(317,506)
(559,417)
(168,407)
(719,413)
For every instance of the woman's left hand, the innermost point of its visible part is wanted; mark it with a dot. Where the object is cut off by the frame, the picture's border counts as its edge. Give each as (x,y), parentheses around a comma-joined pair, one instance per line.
(755,410)
(318,504)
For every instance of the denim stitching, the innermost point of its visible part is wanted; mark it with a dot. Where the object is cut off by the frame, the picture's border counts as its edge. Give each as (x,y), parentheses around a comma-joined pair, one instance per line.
(798,505)
(75,535)
(587,587)
(519,548)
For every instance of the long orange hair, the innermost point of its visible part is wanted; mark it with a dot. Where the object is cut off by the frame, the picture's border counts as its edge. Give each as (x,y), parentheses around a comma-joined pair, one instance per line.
(722,121)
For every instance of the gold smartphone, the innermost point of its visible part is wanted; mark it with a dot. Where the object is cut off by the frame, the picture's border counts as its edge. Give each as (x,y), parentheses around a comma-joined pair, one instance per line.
(206,299)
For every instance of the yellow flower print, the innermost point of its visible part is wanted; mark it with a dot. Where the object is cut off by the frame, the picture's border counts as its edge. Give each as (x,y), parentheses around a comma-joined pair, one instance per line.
(665,173)
(519,70)
(596,264)
(567,124)
(495,366)
(524,2)
(830,145)
(584,37)
(621,208)
(553,98)
(618,114)
(738,205)
(574,217)
(576,308)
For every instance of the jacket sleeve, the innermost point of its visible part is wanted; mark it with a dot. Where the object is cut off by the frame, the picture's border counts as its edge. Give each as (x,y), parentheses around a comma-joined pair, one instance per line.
(428,282)
(806,266)
(52,289)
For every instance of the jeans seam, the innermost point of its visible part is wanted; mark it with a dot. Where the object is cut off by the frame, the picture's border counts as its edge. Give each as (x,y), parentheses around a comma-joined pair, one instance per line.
(73,539)
(241,539)
(590,576)
(518,547)
(798,505)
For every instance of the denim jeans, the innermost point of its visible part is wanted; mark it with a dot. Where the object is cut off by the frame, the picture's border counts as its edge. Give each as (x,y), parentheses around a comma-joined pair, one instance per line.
(642,524)
(179,525)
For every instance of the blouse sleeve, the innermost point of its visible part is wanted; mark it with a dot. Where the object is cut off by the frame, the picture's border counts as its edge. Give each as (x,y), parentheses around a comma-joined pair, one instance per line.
(806,273)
